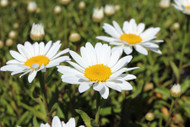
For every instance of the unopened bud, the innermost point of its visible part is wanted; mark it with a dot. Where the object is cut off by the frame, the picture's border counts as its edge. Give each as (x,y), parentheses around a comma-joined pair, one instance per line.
(57,9)
(175,90)
(16,25)
(98,14)
(74,37)
(9,42)
(165,111)
(148,86)
(65,1)
(176,26)
(4,3)
(164,3)
(1,44)
(109,10)
(32,6)
(149,116)
(82,5)
(37,32)
(12,34)
(117,7)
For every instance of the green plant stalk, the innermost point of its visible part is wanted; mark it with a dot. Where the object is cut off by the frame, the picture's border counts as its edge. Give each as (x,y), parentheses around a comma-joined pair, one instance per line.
(183,47)
(44,95)
(170,112)
(98,108)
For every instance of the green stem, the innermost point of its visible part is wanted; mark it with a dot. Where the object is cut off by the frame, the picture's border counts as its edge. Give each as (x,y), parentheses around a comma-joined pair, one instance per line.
(170,112)
(183,47)
(98,108)
(44,95)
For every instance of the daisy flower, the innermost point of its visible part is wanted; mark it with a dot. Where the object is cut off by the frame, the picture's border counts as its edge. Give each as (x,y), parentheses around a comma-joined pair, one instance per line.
(32,58)
(132,35)
(99,67)
(57,123)
(182,5)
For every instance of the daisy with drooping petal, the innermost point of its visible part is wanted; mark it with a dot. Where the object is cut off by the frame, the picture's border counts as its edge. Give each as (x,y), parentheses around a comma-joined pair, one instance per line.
(182,5)
(57,123)
(132,35)
(99,67)
(32,58)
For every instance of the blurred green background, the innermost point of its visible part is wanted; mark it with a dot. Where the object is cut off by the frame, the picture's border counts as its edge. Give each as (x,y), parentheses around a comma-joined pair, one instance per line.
(20,102)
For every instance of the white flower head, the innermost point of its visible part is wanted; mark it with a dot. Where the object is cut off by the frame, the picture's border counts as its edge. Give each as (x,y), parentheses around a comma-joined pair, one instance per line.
(32,58)
(32,6)
(99,67)
(176,90)
(98,14)
(164,3)
(57,9)
(56,122)
(109,10)
(82,5)
(182,5)
(4,3)
(132,35)
(37,32)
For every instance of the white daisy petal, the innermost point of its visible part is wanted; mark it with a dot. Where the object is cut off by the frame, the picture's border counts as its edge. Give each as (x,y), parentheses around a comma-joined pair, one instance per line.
(126,86)
(31,76)
(98,86)
(111,30)
(84,87)
(106,39)
(56,122)
(122,62)
(71,123)
(140,28)
(117,27)
(128,50)
(114,86)
(129,77)
(104,92)
(141,49)
(17,56)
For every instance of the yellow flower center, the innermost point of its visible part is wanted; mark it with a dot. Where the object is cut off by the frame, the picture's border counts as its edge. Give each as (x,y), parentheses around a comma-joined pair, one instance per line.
(131,38)
(187,8)
(37,60)
(98,72)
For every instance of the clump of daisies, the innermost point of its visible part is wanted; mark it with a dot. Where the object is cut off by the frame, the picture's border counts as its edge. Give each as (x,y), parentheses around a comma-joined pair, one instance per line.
(99,67)
(131,36)
(56,122)
(32,58)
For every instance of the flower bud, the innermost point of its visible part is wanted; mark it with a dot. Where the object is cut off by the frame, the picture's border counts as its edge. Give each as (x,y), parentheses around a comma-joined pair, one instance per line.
(98,14)
(165,111)
(176,26)
(32,6)
(1,44)
(12,34)
(164,3)
(4,3)
(117,7)
(74,37)
(57,9)
(109,10)
(9,42)
(65,1)
(149,116)
(82,5)
(15,25)
(148,86)
(175,90)
(37,32)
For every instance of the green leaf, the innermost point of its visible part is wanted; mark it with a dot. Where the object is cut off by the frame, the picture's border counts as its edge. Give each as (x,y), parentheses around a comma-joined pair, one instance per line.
(175,69)
(85,117)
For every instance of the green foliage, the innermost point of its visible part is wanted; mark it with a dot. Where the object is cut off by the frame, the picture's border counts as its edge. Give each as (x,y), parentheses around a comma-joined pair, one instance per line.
(22,103)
